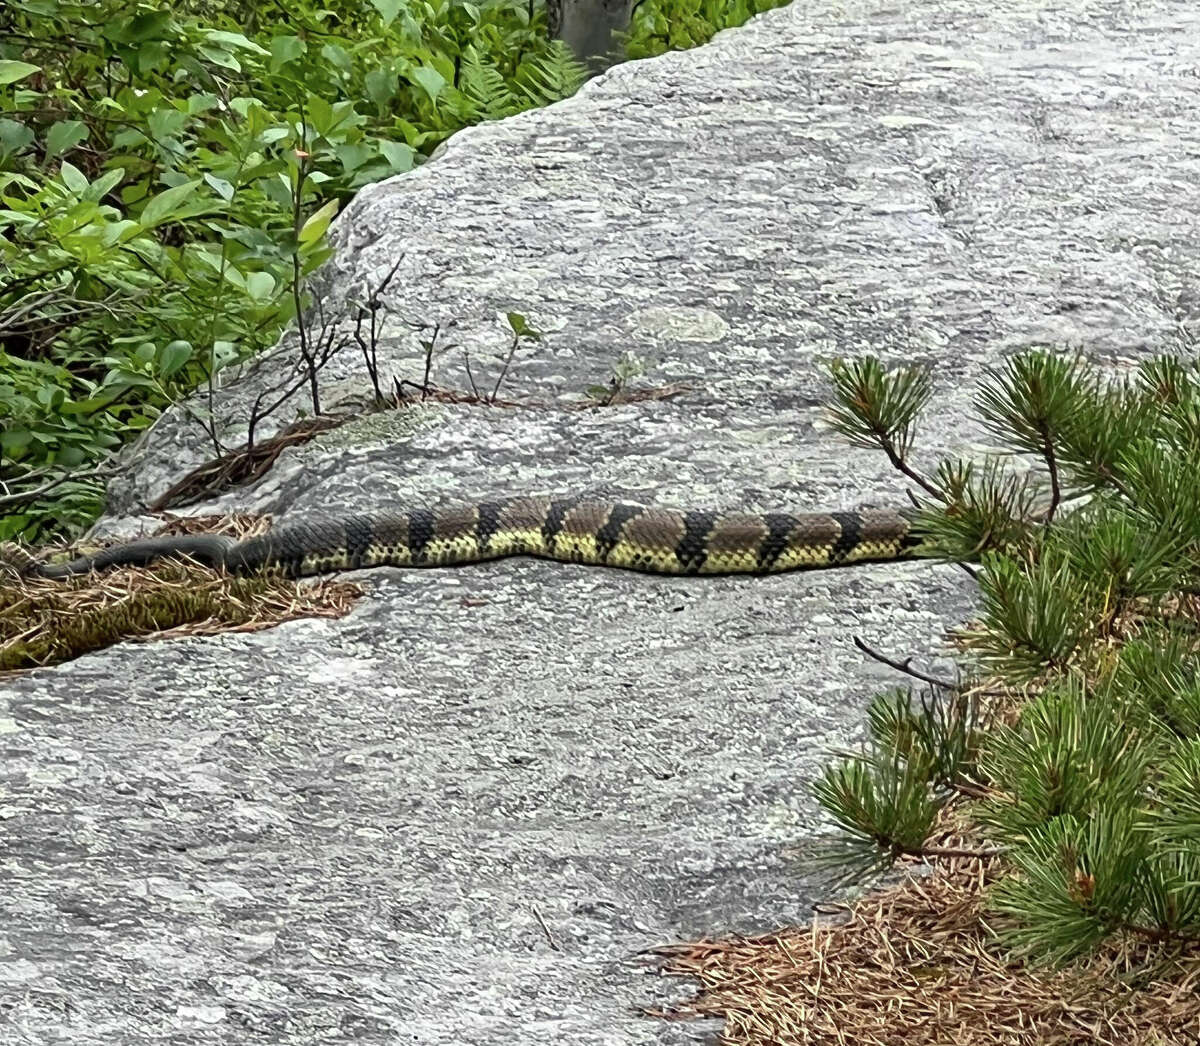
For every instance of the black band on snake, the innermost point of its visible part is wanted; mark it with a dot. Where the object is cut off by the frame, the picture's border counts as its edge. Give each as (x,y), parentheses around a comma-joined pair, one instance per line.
(573,530)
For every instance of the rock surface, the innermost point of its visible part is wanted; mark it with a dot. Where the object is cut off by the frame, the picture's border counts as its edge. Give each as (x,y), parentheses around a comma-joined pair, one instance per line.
(454,816)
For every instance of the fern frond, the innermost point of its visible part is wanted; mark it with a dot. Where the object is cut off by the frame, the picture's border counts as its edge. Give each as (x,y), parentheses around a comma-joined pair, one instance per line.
(550,76)
(484,88)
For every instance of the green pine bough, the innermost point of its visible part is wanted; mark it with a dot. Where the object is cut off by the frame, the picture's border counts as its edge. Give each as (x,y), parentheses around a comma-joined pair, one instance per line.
(1086,532)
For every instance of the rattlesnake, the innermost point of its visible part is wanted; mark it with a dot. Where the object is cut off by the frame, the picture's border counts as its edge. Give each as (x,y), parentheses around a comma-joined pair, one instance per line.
(571,529)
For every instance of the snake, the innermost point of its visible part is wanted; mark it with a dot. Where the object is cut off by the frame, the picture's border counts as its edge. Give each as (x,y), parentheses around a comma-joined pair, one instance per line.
(587,530)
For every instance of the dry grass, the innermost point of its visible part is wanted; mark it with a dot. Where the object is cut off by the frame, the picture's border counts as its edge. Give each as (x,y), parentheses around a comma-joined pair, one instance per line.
(915,965)
(44,621)
(240,467)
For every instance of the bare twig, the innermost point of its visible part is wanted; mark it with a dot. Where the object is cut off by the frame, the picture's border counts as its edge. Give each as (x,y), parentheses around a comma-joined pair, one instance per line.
(898,462)
(905,666)
(327,347)
(546,930)
(512,349)
(470,376)
(369,346)
(258,412)
(947,852)
(429,347)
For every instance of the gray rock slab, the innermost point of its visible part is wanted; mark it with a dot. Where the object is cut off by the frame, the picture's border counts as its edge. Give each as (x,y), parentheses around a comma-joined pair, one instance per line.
(458,814)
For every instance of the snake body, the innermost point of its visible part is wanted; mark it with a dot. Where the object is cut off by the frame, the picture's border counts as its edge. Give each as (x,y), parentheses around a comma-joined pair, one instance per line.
(573,530)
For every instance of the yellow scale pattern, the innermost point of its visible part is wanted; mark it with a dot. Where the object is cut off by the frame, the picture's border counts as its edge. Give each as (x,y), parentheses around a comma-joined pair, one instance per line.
(576,530)
(592,531)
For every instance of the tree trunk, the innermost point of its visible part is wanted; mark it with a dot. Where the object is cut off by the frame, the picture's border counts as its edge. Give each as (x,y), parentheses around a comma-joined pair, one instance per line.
(587,27)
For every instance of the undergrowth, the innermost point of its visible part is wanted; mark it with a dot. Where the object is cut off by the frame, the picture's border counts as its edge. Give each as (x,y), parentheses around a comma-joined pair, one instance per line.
(168,174)
(672,25)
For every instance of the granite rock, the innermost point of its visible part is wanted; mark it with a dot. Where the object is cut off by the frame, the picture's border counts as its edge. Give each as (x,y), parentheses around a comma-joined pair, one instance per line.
(458,814)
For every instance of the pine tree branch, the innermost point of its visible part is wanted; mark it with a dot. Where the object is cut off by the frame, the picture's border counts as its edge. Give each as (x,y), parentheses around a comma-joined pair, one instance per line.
(1051,467)
(970,789)
(898,462)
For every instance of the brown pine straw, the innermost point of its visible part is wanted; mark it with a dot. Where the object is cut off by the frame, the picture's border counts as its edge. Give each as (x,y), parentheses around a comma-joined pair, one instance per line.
(46,621)
(913,965)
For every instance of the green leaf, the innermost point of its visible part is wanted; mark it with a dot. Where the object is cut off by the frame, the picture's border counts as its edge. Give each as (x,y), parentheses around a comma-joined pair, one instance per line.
(14,441)
(105,184)
(64,135)
(125,379)
(319,114)
(236,41)
(315,227)
(353,155)
(12,526)
(16,218)
(72,177)
(260,285)
(219,56)
(146,26)
(201,103)
(162,207)
(173,356)
(429,80)
(222,188)
(165,124)
(122,231)
(520,327)
(11,70)
(399,155)
(338,57)
(14,137)
(12,178)
(444,64)
(232,275)
(286,49)
(51,396)
(388,9)
(380,85)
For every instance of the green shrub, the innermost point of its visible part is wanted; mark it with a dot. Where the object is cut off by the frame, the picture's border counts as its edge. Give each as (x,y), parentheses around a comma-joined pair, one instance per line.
(1090,565)
(673,25)
(167,175)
